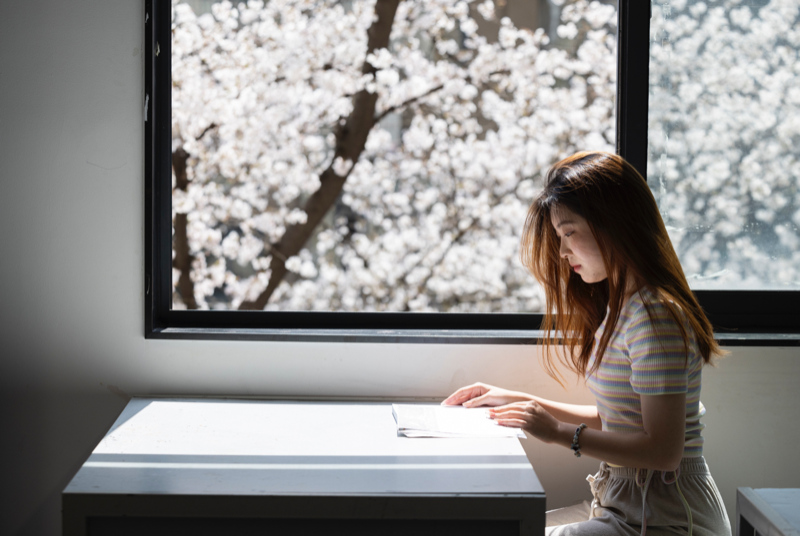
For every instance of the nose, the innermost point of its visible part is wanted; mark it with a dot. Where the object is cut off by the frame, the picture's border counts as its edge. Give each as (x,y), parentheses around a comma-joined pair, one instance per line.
(563,249)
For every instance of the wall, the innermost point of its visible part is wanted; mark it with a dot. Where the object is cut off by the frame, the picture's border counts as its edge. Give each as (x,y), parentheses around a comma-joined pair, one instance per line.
(71,112)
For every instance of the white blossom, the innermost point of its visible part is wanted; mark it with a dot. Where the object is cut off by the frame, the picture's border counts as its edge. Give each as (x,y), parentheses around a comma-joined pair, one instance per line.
(341,166)
(486,9)
(293,264)
(431,212)
(723,135)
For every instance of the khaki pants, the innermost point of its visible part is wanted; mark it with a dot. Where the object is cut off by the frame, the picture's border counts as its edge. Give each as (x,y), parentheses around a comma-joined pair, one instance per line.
(618,504)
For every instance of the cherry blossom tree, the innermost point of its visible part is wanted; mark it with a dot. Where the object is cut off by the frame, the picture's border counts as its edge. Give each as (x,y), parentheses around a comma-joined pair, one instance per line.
(724,137)
(374,156)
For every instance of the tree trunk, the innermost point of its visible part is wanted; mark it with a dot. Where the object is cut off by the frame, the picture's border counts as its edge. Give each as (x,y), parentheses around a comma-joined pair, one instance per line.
(183,259)
(350,140)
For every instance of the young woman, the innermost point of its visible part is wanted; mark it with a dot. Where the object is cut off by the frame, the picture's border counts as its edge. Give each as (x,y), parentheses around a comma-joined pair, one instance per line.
(615,289)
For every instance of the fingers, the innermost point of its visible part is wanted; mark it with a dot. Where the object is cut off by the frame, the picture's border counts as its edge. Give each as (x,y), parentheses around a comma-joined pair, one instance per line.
(463,394)
(529,416)
(478,401)
(513,417)
(458,397)
(508,407)
(512,423)
(508,414)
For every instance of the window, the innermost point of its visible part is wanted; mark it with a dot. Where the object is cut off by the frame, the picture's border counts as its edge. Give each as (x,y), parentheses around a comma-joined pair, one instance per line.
(313,191)
(723,132)
(724,126)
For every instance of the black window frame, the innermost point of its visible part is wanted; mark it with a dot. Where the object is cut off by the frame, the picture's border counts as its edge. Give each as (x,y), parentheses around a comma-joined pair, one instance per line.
(747,317)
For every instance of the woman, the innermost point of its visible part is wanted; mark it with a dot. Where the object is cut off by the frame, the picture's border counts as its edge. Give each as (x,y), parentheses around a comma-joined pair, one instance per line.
(614,286)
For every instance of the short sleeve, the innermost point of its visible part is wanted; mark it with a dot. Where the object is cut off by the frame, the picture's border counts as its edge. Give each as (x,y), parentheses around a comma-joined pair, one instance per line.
(658,358)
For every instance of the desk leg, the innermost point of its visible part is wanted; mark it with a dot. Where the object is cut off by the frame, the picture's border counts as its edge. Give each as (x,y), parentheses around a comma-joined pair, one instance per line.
(743,528)
(73,518)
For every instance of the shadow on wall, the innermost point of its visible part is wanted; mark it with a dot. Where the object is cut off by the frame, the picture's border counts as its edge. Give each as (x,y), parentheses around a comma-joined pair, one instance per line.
(749,399)
(46,438)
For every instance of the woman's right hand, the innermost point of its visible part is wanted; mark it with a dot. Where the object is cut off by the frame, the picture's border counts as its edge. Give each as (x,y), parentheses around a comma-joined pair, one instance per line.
(481,394)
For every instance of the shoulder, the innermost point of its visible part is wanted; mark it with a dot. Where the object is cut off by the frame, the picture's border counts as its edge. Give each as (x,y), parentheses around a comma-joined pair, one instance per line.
(650,316)
(661,346)
(649,308)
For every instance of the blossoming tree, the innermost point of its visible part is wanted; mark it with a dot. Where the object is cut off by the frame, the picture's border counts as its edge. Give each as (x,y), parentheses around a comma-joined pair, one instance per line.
(724,137)
(375,158)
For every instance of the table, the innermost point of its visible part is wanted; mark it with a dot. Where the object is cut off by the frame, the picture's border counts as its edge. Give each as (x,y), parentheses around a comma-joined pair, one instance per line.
(213,466)
(768,512)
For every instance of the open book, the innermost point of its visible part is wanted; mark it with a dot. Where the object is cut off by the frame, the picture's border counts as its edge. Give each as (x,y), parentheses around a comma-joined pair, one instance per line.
(433,420)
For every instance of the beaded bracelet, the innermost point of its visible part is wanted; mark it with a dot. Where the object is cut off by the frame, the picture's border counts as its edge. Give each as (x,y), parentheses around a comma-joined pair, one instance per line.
(576,448)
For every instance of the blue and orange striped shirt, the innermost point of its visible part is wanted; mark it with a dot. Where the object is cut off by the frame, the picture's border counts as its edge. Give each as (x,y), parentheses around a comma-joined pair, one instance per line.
(647,357)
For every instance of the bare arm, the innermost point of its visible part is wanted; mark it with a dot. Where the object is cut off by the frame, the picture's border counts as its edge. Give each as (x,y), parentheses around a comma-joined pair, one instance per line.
(659,446)
(571,414)
(482,394)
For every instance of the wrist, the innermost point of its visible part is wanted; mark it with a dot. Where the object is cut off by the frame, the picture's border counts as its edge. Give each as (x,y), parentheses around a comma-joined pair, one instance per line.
(525,397)
(575,446)
(518,396)
(566,432)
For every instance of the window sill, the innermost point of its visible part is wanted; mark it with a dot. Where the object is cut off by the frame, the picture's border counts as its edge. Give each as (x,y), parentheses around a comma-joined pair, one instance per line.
(391,336)
(420,336)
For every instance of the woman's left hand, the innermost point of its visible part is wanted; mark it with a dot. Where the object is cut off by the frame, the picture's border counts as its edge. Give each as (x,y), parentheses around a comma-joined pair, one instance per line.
(530,416)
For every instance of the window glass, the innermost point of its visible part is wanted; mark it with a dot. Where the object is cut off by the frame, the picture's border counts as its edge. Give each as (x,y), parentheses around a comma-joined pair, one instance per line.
(286,196)
(724,133)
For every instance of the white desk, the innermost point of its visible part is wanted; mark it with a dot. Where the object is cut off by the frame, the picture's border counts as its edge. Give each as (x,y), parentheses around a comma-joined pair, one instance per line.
(768,512)
(200,466)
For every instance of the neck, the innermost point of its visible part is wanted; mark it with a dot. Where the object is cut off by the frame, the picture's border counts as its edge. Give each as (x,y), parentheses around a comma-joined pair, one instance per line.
(631,287)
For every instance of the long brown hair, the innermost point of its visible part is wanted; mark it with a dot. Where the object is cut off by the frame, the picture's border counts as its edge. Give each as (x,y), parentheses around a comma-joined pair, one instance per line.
(623,216)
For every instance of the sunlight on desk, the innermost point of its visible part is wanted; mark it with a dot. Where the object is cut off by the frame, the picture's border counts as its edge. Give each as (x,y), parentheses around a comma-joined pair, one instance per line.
(295,465)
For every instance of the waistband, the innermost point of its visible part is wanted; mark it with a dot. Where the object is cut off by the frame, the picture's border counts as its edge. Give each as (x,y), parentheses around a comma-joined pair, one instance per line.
(688,466)
(643,479)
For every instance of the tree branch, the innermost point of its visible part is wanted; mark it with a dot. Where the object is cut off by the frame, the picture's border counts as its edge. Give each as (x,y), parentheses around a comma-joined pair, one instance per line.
(350,140)
(205,131)
(407,102)
(430,91)
(183,259)
(456,239)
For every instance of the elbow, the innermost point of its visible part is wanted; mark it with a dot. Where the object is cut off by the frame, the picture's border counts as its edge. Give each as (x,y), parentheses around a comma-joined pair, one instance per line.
(668,464)
(667,459)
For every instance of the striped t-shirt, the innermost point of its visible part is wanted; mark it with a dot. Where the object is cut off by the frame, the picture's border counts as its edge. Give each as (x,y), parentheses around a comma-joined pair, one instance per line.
(636,363)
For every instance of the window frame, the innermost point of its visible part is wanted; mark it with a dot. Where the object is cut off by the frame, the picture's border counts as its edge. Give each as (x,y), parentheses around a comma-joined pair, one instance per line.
(762,318)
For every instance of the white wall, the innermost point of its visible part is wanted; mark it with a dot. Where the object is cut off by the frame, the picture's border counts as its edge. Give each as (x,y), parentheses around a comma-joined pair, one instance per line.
(71,319)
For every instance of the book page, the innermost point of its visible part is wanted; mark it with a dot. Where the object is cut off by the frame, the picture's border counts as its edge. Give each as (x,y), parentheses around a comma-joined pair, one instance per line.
(433,420)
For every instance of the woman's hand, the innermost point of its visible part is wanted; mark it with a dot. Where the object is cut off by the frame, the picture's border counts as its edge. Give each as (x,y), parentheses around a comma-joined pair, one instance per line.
(481,394)
(531,417)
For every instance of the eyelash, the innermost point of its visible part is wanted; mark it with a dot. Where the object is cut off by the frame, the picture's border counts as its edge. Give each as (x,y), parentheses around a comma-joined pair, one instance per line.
(568,234)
